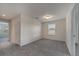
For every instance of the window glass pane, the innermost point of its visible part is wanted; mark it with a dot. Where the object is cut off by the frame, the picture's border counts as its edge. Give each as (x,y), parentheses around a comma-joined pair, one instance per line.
(51,29)
(51,26)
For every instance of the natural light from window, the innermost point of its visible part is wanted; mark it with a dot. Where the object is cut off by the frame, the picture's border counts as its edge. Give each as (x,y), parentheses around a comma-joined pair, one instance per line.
(51,29)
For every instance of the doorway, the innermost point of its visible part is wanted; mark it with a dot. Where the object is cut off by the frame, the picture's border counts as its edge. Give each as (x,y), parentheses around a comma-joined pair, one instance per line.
(4,31)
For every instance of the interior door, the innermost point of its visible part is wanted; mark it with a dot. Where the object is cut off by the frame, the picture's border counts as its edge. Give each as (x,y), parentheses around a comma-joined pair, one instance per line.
(75,19)
(77,24)
(74,29)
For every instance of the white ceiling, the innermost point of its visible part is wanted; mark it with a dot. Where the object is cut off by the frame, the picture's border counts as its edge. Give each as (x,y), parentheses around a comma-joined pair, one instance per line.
(58,10)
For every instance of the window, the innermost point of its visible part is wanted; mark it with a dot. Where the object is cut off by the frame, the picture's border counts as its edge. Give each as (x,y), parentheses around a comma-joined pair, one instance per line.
(51,29)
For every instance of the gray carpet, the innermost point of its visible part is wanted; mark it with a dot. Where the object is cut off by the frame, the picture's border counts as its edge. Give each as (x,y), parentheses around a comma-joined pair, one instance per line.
(41,47)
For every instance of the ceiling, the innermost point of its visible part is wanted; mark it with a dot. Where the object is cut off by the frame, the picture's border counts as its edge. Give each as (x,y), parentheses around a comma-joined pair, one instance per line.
(35,10)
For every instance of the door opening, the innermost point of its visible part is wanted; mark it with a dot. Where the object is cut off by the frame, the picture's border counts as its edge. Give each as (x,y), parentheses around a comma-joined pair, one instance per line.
(4,31)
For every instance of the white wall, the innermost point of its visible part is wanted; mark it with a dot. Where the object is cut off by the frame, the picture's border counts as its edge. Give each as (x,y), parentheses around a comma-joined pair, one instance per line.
(15,30)
(68,33)
(60,30)
(30,30)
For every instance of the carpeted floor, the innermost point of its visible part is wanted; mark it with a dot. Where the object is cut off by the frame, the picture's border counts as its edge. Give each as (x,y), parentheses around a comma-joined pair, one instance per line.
(43,47)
